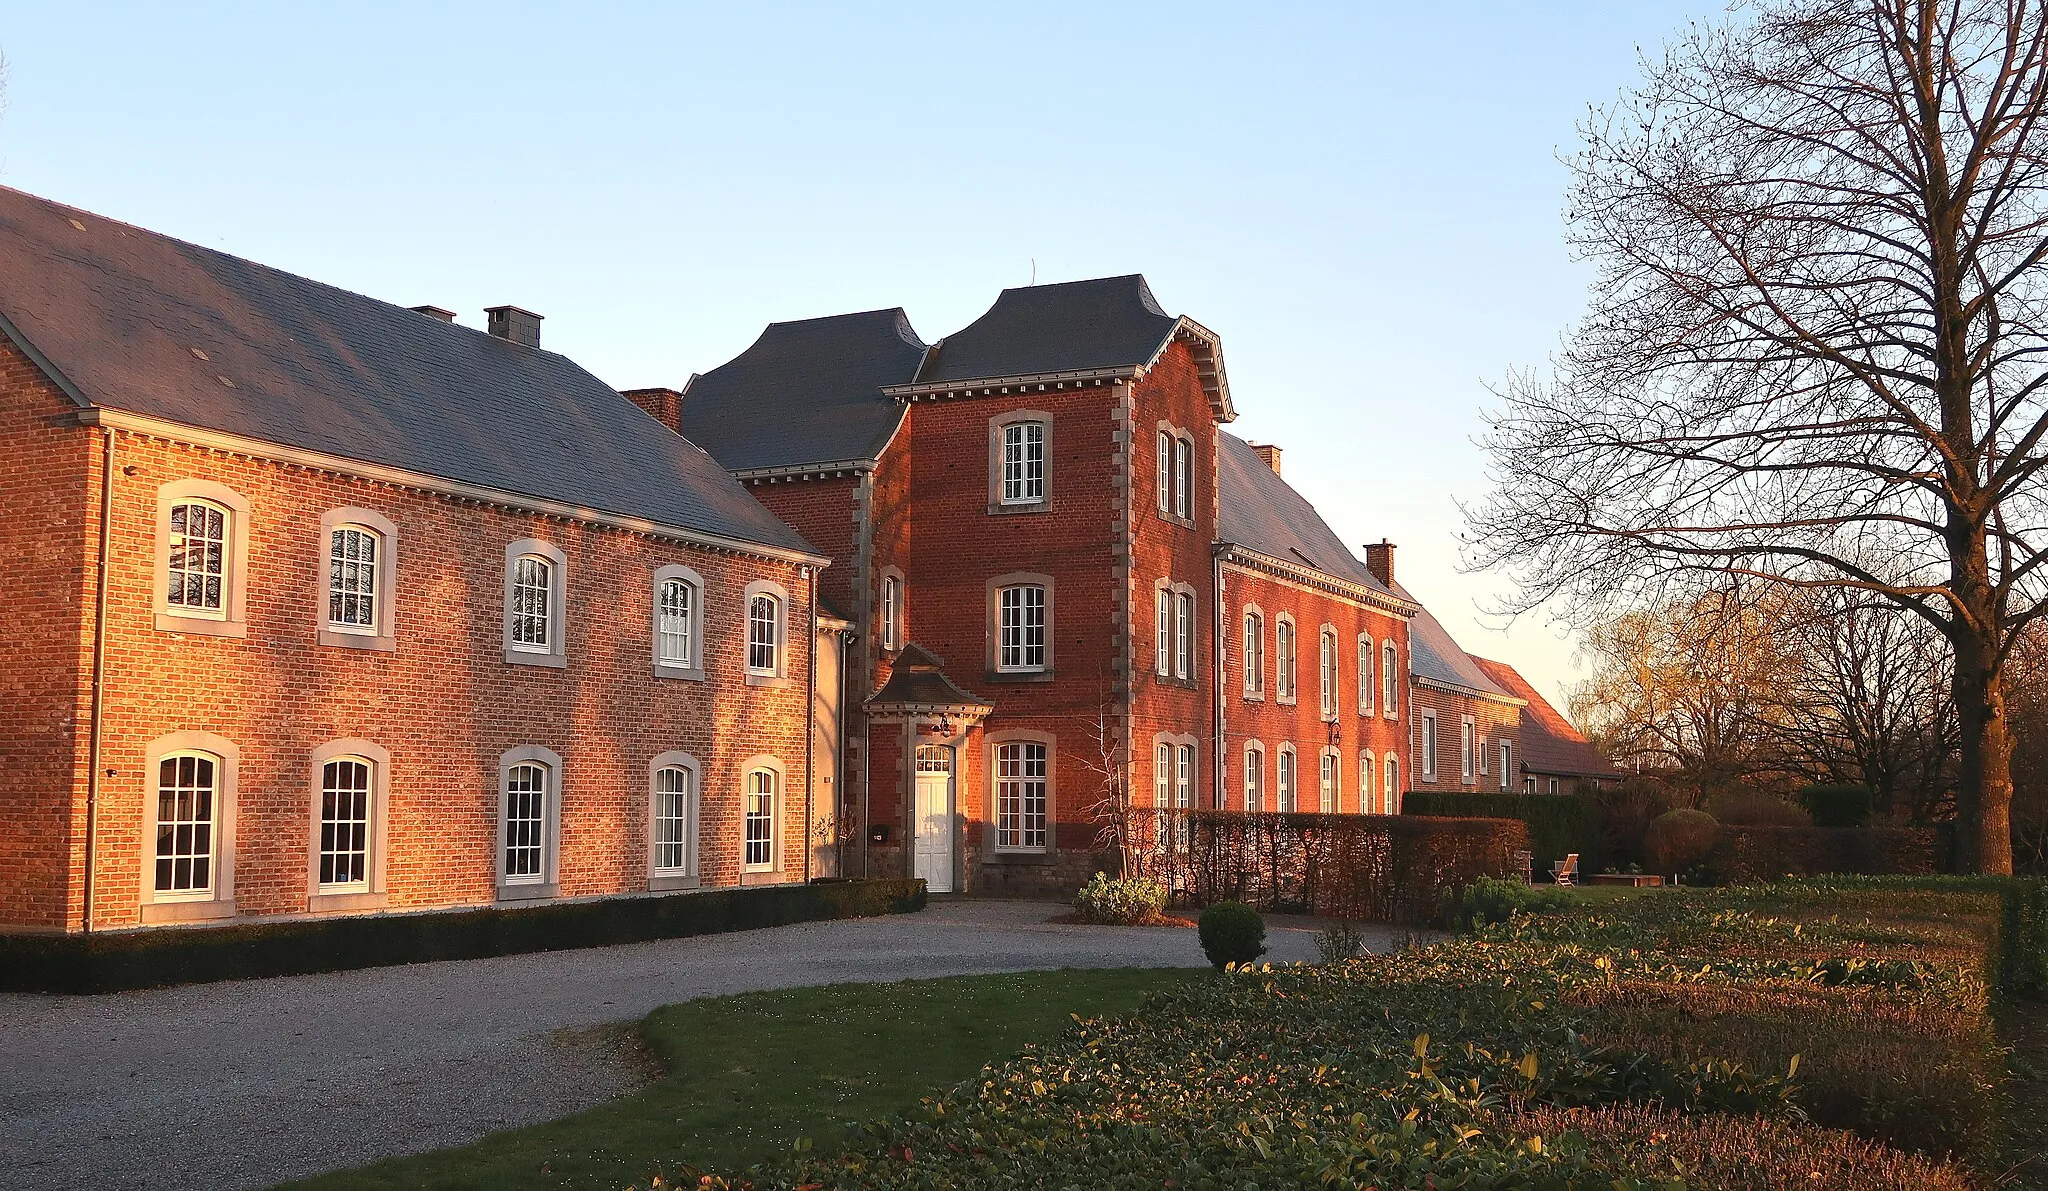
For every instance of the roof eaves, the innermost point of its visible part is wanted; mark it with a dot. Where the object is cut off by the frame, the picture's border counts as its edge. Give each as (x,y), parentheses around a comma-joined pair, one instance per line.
(1459,688)
(802,471)
(1080,378)
(1208,348)
(1233,552)
(440,485)
(64,385)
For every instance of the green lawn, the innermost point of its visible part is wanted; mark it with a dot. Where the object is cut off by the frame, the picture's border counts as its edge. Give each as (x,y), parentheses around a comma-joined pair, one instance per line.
(749,1075)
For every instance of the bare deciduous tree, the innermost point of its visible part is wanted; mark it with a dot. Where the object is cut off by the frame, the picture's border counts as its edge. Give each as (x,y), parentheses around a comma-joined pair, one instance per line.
(1813,350)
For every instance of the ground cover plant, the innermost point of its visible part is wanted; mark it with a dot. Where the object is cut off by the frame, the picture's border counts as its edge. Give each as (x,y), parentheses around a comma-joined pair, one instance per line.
(1813,1034)
(747,1076)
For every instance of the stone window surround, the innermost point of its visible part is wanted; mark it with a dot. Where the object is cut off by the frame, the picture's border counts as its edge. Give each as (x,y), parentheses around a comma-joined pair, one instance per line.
(1168,469)
(690,876)
(1428,739)
(892,636)
(996,425)
(1178,670)
(1286,693)
(177,907)
(234,618)
(780,678)
(1390,682)
(1177,741)
(1255,665)
(551,832)
(377,896)
(556,655)
(383,636)
(1334,756)
(1390,782)
(999,853)
(1329,671)
(1287,759)
(1368,673)
(1507,753)
(1254,762)
(772,873)
(694,671)
(1468,747)
(1368,782)
(994,621)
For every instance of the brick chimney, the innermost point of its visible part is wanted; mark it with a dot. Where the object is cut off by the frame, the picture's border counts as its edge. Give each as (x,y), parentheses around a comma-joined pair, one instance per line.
(446,316)
(1268,454)
(665,404)
(514,325)
(1379,559)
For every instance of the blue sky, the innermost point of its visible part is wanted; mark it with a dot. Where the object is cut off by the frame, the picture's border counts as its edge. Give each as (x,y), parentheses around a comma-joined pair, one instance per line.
(1361,199)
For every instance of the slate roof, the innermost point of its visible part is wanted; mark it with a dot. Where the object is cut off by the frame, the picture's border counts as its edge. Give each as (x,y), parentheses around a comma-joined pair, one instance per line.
(919,681)
(1549,742)
(1262,512)
(806,392)
(1434,655)
(140,322)
(1074,326)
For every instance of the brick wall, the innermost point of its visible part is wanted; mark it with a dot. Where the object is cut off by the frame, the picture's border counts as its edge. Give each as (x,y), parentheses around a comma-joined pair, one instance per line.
(1494,721)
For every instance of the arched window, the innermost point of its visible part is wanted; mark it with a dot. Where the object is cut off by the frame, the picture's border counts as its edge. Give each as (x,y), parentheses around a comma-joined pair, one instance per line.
(762,795)
(1254,655)
(1183,792)
(536,575)
(354,555)
(528,793)
(1390,678)
(1162,645)
(188,786)
(1331,784)
(1165,461)
(1329,672)
(1285,785)
(1283,660)
(675,613)
(1390,769)
(1183,478)
(764,634)
(1184,635)
(200,550)
(672,817)
(1365,672)
(1254,779)
(348,794)
(1368,790)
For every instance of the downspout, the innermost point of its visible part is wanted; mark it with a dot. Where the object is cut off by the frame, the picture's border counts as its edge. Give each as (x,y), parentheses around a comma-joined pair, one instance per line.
(99,670)
(1222,634)
(810,717)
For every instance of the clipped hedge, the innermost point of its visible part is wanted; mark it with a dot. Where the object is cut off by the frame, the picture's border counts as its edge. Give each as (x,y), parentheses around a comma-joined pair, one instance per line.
(1559,824)
(1746,855)
(1372,868)
(110,962)
(2022,948)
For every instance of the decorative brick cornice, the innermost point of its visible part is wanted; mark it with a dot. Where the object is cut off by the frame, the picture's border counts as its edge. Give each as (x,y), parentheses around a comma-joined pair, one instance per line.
(1240,556)
(1454,688)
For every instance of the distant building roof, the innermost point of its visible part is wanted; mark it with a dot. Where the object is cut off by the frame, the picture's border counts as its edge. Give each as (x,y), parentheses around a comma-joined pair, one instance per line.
(806,392)
(1434,655)
(1260,511)
(1549,742)
(1102,325)
(135,321)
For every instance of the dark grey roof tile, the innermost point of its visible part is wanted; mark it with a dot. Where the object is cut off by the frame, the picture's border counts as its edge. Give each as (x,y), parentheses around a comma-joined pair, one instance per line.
(1107,322)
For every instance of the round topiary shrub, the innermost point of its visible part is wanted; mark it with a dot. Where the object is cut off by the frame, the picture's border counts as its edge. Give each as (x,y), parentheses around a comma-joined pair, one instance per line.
(1120,901)
(1232,933)
(1679,840)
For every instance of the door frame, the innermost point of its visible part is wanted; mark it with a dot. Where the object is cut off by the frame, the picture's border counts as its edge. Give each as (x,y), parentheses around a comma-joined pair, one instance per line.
(917,834)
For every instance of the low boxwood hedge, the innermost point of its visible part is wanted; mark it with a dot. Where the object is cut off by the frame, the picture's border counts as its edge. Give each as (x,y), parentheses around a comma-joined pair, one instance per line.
(113,961)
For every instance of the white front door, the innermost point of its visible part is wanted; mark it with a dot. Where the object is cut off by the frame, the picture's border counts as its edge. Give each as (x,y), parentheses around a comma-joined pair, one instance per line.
(935,817)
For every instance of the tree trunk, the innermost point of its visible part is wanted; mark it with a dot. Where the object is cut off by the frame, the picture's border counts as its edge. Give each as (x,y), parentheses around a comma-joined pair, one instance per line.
(1984,779)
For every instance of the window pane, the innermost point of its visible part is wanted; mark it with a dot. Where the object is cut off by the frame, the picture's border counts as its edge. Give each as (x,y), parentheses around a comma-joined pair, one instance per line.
(1254,780)
(1286,789)
(1023,463)
(1022,629)
(764,634)
(198,558)
(352,578)
(1183,479)
(1020,795)
(526,795)
(532,595)
(1163,644)
(345,822)
(1184,638)
(1165,471)
(760,841)
(674,847)
(184,824)
(673,629)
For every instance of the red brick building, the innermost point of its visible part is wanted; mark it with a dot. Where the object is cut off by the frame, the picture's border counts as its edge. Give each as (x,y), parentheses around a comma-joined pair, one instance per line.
(1556,757)
(333,606)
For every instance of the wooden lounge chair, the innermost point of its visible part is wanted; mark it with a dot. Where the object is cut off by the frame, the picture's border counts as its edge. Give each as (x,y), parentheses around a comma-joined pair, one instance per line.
(1566,871)
(1525,866)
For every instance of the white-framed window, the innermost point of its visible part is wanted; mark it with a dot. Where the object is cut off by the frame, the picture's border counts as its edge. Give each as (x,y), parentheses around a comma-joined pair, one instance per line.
(672,820)
(1390,677)
(892,611)
(1553,785)
(1467,747)
(1165,460)
(536,575)
(1506,769)
(1365,674)
(1368,789)
(1390,771)
(1283,659)
(1183,634)
(347,792)
(201,558)
(1479,751)
(1331,680)
(528,790)
(1284,785)
(678,623)
(1022,795)
(1183,791)
(358,569)
(1331,781)
(1529,785)
(1163,638)
(1254,654)
(188,786)
(1021,625)
(1162,775)
(763,790)
(1183,478)
(1254,778)
(764,634)
(1023,479)
(1429,746)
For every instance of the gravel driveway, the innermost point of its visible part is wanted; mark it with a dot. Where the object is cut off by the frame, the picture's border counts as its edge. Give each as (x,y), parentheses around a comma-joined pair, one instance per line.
(249,1083)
